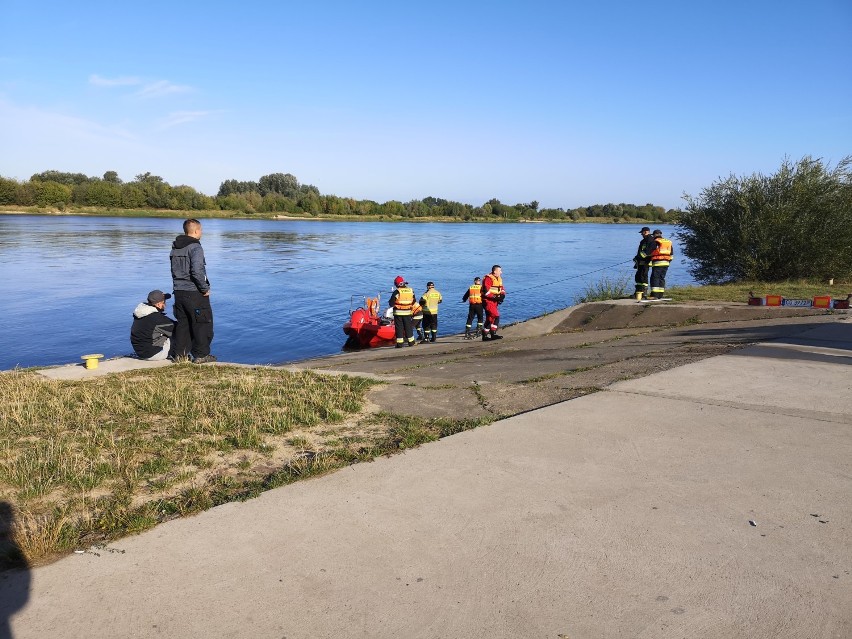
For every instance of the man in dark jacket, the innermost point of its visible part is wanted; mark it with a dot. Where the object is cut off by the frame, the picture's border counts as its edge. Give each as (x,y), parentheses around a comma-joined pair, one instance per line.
(152,329)
(642,262)
(194,315)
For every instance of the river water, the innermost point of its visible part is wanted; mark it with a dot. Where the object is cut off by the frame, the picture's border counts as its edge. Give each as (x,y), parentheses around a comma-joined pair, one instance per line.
(280,288)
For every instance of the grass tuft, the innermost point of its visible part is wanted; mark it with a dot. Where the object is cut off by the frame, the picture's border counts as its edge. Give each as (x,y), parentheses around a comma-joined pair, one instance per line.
(606,288)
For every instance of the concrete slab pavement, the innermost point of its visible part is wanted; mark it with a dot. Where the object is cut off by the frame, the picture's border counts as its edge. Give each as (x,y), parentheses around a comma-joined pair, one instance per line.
(623,513)
(107,367)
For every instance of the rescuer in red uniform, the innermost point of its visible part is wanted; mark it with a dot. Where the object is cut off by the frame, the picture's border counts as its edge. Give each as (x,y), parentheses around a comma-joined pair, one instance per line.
(493,295)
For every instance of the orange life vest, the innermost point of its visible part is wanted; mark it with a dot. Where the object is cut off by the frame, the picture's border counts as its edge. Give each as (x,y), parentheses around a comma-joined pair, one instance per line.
(662,252)
(475,294)
(496,285)
(403,302)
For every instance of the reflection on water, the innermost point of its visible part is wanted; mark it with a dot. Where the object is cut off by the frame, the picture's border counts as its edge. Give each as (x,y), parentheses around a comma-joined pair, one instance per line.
(280,289)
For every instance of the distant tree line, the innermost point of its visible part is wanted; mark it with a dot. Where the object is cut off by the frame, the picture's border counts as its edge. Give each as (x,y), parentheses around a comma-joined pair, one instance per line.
(281,193)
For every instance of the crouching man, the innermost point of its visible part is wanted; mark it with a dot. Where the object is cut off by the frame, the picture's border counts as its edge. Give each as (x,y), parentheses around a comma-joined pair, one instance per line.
(152,329)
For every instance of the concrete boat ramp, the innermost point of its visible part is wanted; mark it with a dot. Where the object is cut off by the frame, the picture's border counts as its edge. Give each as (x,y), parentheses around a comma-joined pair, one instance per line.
(710,498)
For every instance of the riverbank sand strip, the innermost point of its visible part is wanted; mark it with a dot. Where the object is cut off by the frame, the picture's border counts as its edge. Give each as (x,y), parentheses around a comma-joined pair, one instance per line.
(719,509)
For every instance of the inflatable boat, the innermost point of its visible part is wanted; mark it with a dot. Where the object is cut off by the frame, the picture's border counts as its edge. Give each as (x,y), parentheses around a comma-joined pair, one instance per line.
(365,327)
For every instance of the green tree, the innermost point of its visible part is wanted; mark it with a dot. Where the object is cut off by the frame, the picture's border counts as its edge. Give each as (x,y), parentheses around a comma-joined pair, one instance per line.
(60,177)
(281,183)
(234,186)
(51,194)
(112,177)
(796,223)
(8,191)
(98,193)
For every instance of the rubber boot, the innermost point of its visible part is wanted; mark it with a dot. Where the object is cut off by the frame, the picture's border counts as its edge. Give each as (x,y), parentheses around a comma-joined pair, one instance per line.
(486,337)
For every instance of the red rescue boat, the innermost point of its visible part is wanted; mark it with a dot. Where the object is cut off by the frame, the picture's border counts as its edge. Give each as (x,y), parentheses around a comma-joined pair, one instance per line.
(366,328)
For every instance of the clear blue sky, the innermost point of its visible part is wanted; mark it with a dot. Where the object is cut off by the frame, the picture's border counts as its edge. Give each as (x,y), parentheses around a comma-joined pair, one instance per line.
(567,103)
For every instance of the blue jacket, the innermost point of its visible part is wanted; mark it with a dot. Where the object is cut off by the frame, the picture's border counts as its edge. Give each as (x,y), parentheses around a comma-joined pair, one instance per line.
(189,272)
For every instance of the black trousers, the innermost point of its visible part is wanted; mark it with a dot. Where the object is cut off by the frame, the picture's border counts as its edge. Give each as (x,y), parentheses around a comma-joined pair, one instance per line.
(404,330)
(658,280)
(430,324)
(476,311)
(194,329)
(642,278)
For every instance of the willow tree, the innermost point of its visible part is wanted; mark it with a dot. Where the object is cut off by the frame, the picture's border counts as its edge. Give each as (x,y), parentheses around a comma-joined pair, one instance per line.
(795,223)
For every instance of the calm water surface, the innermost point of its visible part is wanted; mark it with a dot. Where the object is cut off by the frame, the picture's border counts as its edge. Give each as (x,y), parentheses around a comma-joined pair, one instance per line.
(280,289)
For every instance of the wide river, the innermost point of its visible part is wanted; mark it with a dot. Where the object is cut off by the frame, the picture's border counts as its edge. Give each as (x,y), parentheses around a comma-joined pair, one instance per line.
(281,289)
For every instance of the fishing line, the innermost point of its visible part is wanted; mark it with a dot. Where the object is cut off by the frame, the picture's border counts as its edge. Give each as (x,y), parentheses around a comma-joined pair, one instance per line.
(565,279)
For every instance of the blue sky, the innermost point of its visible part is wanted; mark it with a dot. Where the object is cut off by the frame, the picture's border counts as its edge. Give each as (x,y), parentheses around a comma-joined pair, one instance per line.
(566,103)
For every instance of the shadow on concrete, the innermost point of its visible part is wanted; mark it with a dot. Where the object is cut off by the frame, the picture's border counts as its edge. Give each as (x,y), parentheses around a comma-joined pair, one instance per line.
(781,351)
(747,334)
(14,572)
(828,343)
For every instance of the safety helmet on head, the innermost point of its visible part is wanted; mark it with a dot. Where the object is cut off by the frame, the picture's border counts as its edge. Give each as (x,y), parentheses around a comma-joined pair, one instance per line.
(399,280)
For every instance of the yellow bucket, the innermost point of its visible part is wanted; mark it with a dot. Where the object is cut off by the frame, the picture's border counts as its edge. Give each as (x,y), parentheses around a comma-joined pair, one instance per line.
(91,360)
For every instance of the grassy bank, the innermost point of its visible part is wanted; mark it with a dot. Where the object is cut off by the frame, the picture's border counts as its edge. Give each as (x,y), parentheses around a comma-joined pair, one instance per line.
(613,288)
(85,462)
(739,291)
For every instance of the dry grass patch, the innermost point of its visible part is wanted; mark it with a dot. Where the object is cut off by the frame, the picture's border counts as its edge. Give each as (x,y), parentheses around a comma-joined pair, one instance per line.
(96,459)
(85,462)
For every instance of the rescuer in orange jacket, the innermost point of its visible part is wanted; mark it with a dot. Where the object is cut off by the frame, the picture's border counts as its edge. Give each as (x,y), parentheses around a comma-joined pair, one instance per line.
(493,293)
(473,296)
(416,319)
(661,258)
(402,301)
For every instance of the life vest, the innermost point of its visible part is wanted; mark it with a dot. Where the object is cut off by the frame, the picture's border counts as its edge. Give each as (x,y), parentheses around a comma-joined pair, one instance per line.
(431,298)
(475,294)
(496,285)
(662,253)
(404,301)
(416,310)
(373,306)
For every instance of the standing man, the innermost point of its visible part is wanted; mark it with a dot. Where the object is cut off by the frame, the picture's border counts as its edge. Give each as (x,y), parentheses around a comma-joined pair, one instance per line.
(493,294)
(430,300)
(151,332)
(402,301)
(473,296)
(661,257)
(194,315)
(642,262)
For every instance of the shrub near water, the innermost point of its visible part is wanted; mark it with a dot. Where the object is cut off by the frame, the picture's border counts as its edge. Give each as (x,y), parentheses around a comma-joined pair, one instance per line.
(100,457)
(796,223)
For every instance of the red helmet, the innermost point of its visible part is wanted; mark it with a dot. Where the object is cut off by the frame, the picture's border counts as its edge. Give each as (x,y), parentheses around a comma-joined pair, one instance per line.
(399,280)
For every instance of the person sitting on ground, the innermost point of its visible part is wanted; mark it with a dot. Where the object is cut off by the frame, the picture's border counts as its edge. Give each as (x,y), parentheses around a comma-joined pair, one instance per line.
(152,329)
